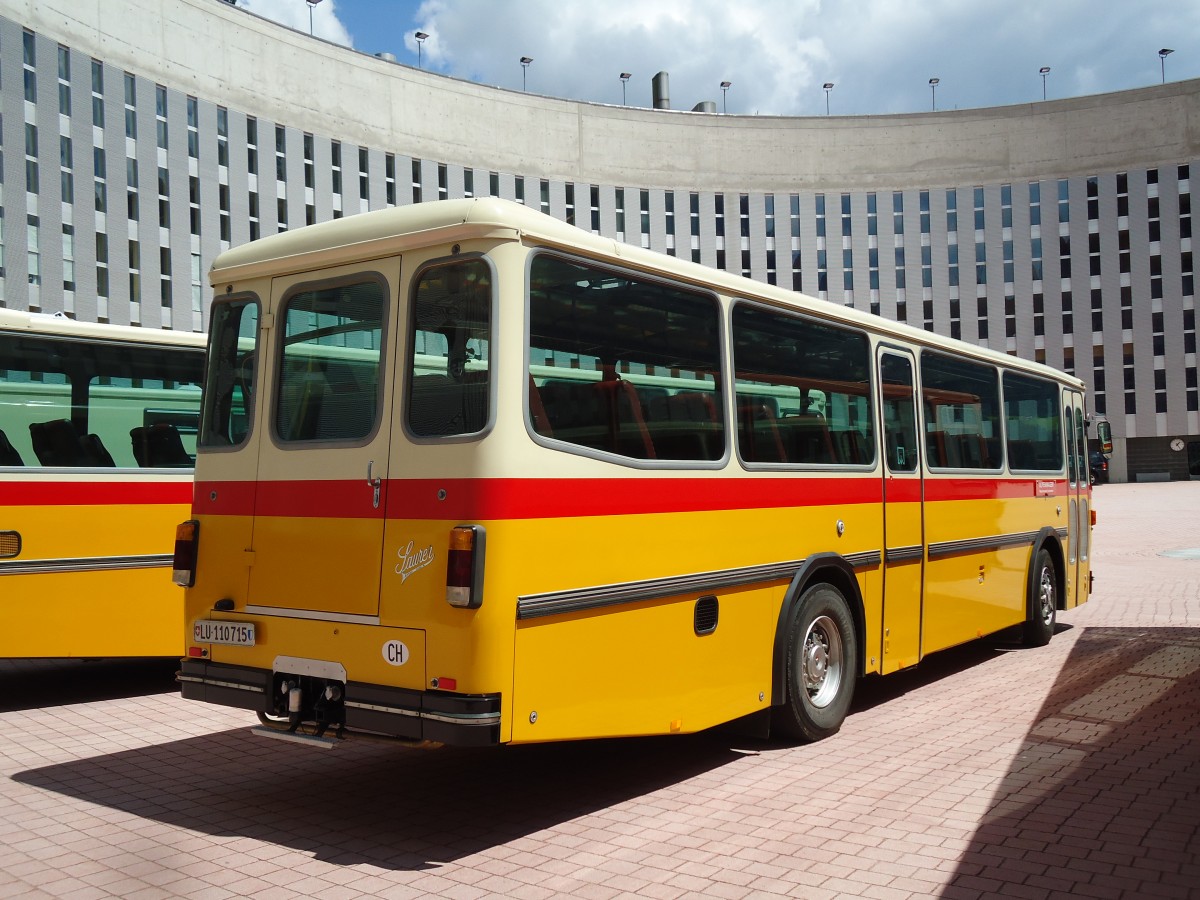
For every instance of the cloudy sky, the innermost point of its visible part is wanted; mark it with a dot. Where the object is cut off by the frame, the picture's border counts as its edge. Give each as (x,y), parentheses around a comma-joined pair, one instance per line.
(879,54)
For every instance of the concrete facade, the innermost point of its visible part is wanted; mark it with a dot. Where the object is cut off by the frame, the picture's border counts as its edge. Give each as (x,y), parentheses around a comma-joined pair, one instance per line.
(141,137)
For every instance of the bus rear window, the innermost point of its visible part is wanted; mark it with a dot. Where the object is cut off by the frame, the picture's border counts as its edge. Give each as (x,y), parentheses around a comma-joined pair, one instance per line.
(328,386)
(449,371)
(229,375)
(623,365)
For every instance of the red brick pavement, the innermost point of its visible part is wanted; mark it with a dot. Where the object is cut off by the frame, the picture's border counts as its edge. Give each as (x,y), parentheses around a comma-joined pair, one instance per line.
(1069,770)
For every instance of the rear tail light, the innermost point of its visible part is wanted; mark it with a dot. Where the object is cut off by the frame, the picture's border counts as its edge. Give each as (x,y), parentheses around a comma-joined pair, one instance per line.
(187,539)
(464,567)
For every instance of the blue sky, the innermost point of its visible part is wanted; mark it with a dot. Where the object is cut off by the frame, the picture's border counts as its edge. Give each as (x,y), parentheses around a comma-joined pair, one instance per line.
(777,54)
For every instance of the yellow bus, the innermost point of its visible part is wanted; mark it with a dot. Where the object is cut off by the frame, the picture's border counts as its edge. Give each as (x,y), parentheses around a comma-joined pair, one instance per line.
(97,445)
(505,481)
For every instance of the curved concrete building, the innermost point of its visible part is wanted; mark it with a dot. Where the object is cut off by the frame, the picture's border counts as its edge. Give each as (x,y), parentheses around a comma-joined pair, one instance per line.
(142,137)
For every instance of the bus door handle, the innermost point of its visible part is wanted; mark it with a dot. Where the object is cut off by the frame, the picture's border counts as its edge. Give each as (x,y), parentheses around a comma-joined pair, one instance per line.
(374,483)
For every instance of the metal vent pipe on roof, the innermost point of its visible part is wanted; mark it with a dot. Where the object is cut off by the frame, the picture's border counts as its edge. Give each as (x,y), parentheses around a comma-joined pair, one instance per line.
(705,106)
(660,85)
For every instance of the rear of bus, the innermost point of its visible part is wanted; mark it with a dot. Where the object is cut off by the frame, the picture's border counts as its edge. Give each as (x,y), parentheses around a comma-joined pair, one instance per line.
(328,580)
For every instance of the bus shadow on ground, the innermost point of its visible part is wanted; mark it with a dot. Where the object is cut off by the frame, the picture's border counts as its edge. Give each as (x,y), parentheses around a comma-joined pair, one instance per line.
(42,683)
(1105,792)
(376,804)
(873,691)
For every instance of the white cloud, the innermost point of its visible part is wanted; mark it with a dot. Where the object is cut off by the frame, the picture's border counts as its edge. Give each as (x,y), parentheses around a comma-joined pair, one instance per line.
(880,54)
(294,14)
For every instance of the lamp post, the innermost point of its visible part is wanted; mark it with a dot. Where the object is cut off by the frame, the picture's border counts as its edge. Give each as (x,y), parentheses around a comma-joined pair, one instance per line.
(625,76)
(1044,71)
(525,61)
(313,3)
(1162,59)
(725,86)
(933,83)
(827,87)
(420,39)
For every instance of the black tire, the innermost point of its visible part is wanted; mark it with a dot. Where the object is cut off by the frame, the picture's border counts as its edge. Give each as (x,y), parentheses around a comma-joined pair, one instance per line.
(1042,606)
(822,664)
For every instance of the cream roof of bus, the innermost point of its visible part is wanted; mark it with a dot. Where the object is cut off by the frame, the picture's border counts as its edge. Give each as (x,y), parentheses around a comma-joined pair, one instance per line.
(16,321)
(385,232)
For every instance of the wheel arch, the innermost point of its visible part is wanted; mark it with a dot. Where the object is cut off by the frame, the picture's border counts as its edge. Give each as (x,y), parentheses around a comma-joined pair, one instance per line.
(820,568)
(1047,539)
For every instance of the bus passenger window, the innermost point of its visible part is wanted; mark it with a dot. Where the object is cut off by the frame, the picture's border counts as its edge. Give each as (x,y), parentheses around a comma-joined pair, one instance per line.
(962,413)
(623,365)
(449,371)
(1033,426)
(803,390)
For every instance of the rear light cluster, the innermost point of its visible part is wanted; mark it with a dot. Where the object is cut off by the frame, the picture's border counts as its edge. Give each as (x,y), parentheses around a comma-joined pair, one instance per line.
(464,567)
(187,540)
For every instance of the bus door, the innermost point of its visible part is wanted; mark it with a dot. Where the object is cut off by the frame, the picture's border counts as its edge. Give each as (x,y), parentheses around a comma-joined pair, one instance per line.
(322,466)
(903,520)
(1079,512)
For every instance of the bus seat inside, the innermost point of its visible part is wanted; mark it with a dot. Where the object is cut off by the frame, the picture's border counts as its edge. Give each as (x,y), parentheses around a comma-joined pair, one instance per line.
(57,443)
(159,446)
(8,453)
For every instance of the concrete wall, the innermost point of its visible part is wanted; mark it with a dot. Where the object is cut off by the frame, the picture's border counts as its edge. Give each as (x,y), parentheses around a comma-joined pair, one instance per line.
(234,58)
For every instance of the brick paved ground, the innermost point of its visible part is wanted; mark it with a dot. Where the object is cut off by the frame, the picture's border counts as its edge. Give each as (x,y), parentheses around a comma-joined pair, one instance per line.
(1071,770)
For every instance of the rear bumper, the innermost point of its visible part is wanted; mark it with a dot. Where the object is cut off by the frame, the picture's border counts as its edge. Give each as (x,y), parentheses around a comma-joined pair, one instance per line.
(465,720)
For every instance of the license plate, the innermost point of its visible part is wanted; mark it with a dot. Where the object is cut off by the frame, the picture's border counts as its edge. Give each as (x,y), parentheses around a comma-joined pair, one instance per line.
(209,631)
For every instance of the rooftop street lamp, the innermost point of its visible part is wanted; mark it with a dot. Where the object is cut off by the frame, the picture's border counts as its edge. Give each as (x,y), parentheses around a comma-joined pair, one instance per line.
(313,3)
(1162,59)
(827,87)
(420,38)
(933,83)
(625,76)
(725,86)
(525,61)
(1044,71)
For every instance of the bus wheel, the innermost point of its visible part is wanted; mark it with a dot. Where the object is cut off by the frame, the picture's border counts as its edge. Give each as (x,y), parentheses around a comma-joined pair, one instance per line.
(1043,602)
(822,649)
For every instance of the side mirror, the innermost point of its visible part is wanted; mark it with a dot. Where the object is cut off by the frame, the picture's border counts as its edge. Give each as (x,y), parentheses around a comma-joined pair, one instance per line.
(1104,433)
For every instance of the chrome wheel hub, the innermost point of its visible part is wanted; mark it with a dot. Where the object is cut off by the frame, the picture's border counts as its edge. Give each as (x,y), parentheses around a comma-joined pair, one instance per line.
(822,661)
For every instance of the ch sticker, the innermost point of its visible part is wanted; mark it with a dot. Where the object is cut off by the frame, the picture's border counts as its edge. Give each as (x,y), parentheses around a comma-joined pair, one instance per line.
(396,653)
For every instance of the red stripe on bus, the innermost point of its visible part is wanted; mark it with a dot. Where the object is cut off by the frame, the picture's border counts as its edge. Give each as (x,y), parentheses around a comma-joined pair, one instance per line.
(541,498)
(95,493)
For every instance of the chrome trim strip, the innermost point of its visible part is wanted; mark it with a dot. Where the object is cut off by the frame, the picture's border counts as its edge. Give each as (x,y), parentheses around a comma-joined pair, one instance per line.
(1062,532)
(285,613)
(213,682)
(532,606)
(85,564)
(993,542)
(903,554)
(375,707)
(471,719)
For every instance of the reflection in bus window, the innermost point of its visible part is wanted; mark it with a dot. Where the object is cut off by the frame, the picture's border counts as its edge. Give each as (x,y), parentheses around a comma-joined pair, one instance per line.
(623,365)
(803,390)
(1033,425)
(89,403)
(328,386)
(962,413)
(449,365)
(229,386)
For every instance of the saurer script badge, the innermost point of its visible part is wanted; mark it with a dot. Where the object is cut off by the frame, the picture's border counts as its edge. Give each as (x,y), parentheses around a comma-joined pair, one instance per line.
(412,560)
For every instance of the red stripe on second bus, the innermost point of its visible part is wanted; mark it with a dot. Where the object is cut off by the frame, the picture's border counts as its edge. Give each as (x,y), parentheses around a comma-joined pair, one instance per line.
(94,493)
